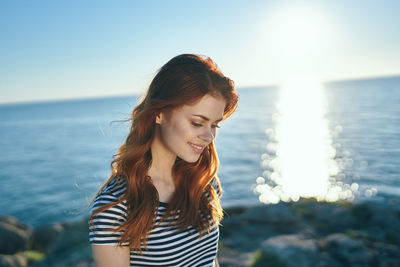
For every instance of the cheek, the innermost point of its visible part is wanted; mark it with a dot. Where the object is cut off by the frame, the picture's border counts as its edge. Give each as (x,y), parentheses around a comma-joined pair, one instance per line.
(184,132)
(176,134)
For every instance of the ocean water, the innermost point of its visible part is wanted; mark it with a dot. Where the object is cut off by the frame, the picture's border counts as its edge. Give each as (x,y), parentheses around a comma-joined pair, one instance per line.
(56,155)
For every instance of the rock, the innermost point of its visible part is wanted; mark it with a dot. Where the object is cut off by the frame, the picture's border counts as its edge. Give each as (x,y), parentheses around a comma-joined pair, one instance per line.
(14,236)
(44,238)
(325,260)
(276,218)
(235,232)
(262,259)
(388,255)
(232,258)
(312,233)
(16,260)
(249,229)
(347,250)
(59,237)
(325,217)
(383,222)
(271,214)
(294,249)
(230,225)
(78,255)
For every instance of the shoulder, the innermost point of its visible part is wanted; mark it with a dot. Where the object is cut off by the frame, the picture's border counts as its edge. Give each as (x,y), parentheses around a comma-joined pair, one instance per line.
(111,193)
(102,221)
(116,187)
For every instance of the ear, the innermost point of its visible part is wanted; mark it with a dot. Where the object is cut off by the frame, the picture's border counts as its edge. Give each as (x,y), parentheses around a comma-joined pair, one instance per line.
(159,118)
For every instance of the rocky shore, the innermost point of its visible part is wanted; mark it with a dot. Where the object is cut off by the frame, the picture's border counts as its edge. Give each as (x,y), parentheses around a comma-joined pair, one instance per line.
(303,233)
(311,233)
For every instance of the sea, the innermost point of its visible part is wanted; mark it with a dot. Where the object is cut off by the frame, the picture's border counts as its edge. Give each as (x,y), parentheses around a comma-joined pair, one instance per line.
(56,155)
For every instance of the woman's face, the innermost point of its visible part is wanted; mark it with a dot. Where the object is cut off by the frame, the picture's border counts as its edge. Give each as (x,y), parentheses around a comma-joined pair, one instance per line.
(187,130)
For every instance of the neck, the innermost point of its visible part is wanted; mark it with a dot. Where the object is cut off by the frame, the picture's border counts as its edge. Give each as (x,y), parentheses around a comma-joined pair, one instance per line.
(163,161)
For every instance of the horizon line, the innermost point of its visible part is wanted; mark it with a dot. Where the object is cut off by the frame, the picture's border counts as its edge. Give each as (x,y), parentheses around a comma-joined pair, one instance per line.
(138,94)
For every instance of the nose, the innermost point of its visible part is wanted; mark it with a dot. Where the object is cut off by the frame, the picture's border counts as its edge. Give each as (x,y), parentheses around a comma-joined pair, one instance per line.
(208,134)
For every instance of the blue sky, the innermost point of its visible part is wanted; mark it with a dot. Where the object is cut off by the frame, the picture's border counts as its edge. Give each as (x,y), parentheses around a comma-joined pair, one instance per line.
(71,49)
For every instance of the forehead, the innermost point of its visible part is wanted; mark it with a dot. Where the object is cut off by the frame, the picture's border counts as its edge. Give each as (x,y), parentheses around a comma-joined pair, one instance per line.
(209,106)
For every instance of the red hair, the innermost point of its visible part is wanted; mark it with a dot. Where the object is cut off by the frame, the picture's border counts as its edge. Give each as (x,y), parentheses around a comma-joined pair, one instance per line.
(182,80)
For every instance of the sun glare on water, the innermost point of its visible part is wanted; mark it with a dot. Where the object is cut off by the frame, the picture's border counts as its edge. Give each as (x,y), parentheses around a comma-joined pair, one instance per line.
(300,159)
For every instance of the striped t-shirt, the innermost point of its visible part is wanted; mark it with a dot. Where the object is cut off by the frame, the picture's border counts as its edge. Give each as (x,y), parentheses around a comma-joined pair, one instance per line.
(166,245)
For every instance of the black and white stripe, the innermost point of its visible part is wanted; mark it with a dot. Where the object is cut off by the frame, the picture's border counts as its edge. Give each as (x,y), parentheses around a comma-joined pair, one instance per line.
(166,246)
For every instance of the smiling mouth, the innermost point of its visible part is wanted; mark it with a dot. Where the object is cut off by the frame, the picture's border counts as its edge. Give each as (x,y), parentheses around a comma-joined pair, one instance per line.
(197,148)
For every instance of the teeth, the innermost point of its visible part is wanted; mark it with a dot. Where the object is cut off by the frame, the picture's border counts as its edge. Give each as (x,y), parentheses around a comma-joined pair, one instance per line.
(197,147)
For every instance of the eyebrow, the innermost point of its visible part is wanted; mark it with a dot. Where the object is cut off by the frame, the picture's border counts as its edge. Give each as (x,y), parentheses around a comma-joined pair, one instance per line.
(205,118)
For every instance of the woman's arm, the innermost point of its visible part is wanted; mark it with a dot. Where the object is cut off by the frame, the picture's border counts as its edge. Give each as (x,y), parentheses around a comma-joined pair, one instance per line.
(115,256)
(216,262)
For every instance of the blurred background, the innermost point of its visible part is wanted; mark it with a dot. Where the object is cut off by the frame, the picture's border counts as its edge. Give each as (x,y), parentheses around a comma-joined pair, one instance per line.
(319,85)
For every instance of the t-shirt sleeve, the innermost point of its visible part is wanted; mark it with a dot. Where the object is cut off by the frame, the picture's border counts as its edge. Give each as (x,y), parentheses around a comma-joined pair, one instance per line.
(102,225)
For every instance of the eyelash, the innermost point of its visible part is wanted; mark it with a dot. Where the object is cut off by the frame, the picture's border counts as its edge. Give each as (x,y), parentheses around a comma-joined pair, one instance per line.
(199,125)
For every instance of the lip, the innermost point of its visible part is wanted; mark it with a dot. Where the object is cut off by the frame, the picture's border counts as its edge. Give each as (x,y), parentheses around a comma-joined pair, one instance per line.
(197,148)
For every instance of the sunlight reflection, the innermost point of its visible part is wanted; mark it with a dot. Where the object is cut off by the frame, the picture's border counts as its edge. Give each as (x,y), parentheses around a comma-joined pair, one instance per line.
(300,162)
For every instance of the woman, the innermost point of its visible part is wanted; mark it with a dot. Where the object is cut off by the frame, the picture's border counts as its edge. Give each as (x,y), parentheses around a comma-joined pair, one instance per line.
(160,206)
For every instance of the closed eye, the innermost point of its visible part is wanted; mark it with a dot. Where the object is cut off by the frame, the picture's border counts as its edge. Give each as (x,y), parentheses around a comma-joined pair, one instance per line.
(196,124)
(200,125)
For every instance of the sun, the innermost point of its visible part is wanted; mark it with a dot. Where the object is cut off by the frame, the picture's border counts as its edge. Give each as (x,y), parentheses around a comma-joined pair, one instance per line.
(298,37)
(299,33)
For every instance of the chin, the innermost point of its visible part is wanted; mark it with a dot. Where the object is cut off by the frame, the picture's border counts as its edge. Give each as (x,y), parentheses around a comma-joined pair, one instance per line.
(191,159)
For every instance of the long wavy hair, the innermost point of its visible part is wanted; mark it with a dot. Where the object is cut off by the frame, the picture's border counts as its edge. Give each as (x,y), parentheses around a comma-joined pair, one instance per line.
(182,80)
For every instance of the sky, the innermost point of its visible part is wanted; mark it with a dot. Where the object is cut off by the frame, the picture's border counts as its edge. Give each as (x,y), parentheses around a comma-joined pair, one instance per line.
(52,50)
